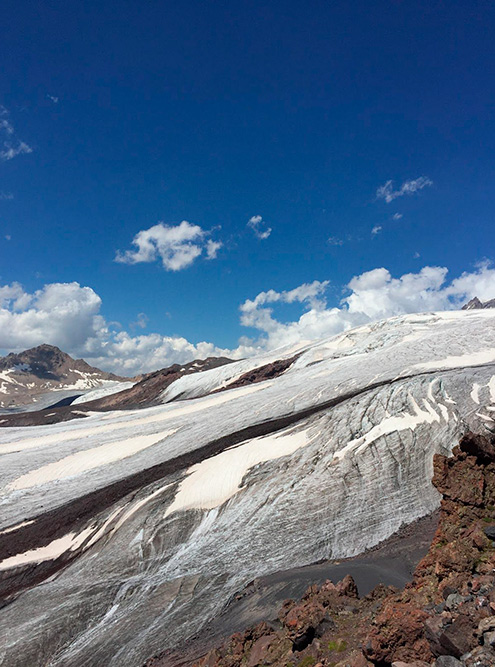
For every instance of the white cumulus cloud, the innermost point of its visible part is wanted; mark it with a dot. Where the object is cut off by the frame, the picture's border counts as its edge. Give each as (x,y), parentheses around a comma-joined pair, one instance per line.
(388,193)
(68,315)
(373,295)
(212,248)
(176,246)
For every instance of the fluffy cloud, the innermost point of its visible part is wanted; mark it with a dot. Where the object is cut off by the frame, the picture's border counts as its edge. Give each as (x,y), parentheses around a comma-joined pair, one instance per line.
(388,193)
(212,248)
(373,295)
(259,227)
(397,216)
(63,314)
(68,315)
(11,145)
(177,246)
(376,230)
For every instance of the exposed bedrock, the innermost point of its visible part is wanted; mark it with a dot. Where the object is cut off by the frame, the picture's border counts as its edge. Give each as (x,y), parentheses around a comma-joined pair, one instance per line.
(176,508)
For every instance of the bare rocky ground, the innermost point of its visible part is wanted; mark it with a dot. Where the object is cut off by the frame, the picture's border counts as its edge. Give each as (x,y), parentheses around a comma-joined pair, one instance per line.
(444,617)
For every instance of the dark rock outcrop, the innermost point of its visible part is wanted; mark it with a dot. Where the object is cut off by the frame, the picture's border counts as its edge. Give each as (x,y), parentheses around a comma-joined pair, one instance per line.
(476,304)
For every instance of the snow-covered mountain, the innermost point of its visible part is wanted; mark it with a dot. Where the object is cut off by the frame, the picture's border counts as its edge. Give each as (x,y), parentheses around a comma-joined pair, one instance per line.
(27,376)
(123,533)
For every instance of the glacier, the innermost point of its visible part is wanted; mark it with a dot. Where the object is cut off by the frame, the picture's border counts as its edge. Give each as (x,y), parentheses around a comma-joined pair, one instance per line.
(124,533)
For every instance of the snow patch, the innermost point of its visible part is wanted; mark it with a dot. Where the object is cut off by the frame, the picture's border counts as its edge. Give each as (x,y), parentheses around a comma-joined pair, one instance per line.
(212,482)
(390,425)
(81,462)
(461,361)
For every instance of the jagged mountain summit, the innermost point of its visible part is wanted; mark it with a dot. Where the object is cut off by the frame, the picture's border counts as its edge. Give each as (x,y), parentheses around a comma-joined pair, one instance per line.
(26,376)
(125,533)
(476,304)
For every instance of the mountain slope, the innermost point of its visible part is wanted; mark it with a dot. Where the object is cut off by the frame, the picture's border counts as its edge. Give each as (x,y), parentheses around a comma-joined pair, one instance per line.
(152,519)
(146,392)
(476,304)
(27,375)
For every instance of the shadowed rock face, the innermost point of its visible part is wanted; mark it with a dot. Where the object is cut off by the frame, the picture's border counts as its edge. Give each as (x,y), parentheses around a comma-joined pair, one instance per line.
(27,375)
(476,304)
(123,534)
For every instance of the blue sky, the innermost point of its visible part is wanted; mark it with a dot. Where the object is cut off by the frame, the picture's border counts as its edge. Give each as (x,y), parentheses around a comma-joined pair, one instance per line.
(118,116)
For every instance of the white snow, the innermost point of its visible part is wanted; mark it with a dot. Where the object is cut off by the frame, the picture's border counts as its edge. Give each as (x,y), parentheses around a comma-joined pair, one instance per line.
(213,481)
(391,425)
(16,527)
(51,551)
(486,356)
(88,459)
(107,390)
(491,386)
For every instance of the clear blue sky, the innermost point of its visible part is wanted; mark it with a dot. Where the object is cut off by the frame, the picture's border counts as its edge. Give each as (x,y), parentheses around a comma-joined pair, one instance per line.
(140,112)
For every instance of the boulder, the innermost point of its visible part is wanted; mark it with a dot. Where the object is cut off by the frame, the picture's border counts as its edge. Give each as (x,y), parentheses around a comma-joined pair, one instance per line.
(447,661)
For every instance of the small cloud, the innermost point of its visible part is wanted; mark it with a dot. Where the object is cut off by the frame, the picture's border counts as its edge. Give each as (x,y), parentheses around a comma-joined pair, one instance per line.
(141,321)
(212,248)
(259,227)
(177,246)
(53,99)
(416,255)
(12,151)
(376,230)
(5,196)
(334,240)
(388,193)
(11,145)
(8,237)
(397,216)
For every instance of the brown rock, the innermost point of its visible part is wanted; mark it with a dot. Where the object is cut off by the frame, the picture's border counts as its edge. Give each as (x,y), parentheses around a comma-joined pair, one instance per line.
(398,635)
(347,587)
(481,656)
(355,659)
(486,625)
(260,650)
(456,639)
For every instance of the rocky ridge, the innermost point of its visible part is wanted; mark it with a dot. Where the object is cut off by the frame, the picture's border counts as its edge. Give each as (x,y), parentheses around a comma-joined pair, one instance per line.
(445,617)
(24,376)
(476,304)
(145,391)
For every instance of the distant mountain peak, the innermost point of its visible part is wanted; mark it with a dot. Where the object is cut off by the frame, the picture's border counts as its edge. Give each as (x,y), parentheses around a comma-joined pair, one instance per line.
(476,304)
(26,375)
